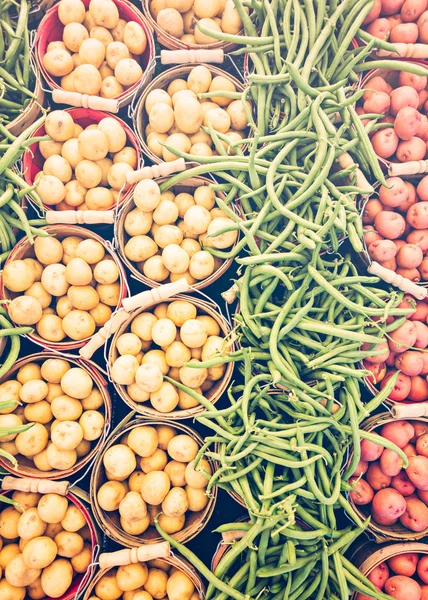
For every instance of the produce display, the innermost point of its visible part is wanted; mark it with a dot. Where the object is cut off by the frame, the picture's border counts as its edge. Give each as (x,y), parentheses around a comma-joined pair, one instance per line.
(46,544)
(167,230)
(154,356)
(67,288)
(65,409)
(152,472)
(83,168)
(98,53)
(192,21)
(403,21)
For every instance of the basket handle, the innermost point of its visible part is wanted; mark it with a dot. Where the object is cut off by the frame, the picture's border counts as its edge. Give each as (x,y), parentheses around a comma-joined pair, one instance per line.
(396,280)
(149,297)
(80,217)
(413,167)
(99,339)
(345,160)
(161,170)
(129,556)
(184,57)
(410,411)
(41,486)
(85,101)
(229,537)
(405,51)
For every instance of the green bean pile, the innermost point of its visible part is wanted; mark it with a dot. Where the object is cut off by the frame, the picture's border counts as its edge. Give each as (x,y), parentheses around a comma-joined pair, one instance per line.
(284,440)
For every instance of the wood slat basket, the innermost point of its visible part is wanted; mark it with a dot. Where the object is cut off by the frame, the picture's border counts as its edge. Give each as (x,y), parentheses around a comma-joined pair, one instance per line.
(383,533)
(140,119)
(26,468)
(109,521)
(189,186)
(32,111)
(213,394)
(24,249)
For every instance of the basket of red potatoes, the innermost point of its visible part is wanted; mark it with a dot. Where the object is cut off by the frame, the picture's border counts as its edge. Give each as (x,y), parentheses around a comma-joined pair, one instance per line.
(399,570)
(396,228)
(395,496)
(398,21)
(400,100)
(403,351)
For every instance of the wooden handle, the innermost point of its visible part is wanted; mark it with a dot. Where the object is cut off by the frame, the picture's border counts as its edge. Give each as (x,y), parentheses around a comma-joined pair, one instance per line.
(410,411)
(232,536)
(85,101)
(229,296)
(413,167)
(396,280)
(149,297)
(184,57)
(345,161)
(102,335)
(129,556)
(80,217)
(41,486)
(161,170)
(405,51)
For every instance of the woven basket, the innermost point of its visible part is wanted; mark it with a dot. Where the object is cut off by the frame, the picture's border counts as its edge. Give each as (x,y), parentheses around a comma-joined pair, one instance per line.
(173,561)
(31,113)
(110,523)
(172,43)
(26,468)
(368,556)
(80,581)
(188,185)
(33,160)
(140,119)
(50,30)
(24,249)
(383,533)
(212,395)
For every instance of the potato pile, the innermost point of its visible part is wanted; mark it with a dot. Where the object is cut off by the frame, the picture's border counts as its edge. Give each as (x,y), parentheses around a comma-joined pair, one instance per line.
(69,288)
(45,542)
(395,494)
(403,21)
(180,17)
(145,581)
(84,169)
(167,232)
(159,343)
(152,471)
(99,53)
(176,115)
(66,409)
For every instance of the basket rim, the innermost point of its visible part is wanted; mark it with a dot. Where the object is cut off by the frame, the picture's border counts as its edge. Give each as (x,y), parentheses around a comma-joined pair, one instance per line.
(123,237)
(92,369)
(69,230)
(34,102)
(101,516)
(175,415)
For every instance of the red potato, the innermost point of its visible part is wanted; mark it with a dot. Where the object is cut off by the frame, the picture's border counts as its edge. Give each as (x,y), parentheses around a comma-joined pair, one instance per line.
(423,269)
(390,264)
(378,84)
(365,597)
(415,517)
(419,237)
(402,484)
(383,250)
(417,216)
(423,130)
(385,142)
(401,388)
(409,450)
(423,97)
(407,303)
(424,589)
(371,235)
(422,336)
(403,588)
(388,504)
(423,27)
(418,389)
(424,371)
(370,451)
(422,445)
(422,189)
(371,209)
(380,28)
(395,193)
(361,493)
(376,478)
(390,225)
(412,274)
(421,310)
(379,575)
(411,199)
(403,96)
(373,13)
(390,7)
(410,363)
(417,82)
(398,432)
(412,10)
(390,463)
(390,361)
(377,371)
(404,564)
(361,468)
(409,256)
(378,358)
(423,495)
(412,149)
(381,520)
(423,569)
(403,338)
(419,427)
(417,472)
(377,102)
(395,20)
